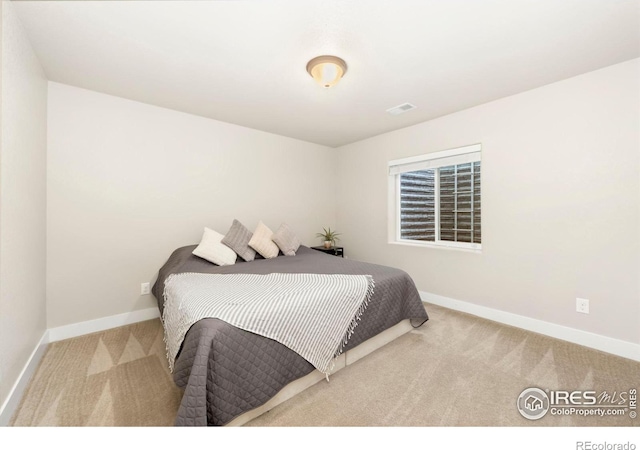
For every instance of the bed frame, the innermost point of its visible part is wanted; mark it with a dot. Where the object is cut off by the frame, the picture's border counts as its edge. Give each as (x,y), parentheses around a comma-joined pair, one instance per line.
(344,360)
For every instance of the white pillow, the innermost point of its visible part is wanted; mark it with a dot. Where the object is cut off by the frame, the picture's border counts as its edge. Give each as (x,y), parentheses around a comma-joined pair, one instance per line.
(262,243)
(213,250)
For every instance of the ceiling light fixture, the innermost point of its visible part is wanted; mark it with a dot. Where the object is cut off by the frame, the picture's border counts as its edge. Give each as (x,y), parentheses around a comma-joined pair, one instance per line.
(327,70)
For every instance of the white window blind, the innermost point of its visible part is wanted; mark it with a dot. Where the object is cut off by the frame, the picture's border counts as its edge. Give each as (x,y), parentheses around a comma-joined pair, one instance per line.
(437,198)
(457,156)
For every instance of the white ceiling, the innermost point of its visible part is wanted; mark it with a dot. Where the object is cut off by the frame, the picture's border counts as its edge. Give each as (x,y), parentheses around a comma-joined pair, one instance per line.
(244,62)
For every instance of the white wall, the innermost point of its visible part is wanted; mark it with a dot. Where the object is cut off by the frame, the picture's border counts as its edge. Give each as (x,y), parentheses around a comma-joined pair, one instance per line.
(22,201)
(128,183)
(560,203)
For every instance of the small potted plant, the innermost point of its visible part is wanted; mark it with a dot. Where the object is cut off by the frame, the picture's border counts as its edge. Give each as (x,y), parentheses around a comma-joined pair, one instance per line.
(329,237)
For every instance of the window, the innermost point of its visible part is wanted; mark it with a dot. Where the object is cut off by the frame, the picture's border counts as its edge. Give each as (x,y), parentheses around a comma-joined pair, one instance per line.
(435,199)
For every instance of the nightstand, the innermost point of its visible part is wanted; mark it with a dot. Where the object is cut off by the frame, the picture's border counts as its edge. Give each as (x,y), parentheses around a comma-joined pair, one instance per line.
(336,251)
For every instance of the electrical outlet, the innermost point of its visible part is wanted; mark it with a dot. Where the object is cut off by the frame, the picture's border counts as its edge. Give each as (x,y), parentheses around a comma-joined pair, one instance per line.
(582,305)
(145,289)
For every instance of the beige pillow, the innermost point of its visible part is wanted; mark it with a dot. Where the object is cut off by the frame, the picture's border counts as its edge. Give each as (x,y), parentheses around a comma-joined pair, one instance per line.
(262,243)
(286,240)
(213,250)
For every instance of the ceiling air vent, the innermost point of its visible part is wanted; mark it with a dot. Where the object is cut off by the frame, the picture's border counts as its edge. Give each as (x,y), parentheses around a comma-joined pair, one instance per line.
(401,109)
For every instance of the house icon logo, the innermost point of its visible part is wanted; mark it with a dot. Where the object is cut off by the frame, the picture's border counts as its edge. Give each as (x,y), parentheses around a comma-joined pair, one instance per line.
(533,403)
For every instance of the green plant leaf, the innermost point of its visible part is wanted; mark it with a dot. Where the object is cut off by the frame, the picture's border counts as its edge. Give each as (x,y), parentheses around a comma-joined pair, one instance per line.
(328,234)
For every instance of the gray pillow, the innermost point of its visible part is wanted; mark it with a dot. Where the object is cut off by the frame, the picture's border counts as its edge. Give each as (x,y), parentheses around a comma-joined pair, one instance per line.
(237,239)
(286,240)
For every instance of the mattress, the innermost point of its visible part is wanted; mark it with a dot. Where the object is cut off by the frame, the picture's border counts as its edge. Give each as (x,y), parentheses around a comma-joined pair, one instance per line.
(226,372)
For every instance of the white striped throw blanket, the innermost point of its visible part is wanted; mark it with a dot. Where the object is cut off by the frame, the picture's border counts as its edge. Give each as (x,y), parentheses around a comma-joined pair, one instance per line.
(312,314)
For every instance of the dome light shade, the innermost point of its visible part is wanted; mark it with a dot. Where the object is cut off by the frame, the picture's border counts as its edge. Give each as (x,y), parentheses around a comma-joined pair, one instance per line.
(327,70)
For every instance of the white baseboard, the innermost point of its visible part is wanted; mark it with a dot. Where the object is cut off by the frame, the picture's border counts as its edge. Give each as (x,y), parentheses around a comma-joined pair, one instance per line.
(15,394)
(105,323)
(603,343)
(57,334)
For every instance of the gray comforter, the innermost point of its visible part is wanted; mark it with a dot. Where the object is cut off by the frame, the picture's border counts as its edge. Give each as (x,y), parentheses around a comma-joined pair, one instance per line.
(226,371)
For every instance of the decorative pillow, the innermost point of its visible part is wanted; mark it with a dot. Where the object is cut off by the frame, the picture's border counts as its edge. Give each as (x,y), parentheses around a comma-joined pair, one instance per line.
(237,239)
(286,240)
(262,243)
(213,250)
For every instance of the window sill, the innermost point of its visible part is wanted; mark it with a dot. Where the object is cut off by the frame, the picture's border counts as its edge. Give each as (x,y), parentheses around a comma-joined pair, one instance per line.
(438,246)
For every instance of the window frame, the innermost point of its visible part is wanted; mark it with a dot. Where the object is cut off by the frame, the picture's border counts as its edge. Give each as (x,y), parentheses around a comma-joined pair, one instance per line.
(394,211)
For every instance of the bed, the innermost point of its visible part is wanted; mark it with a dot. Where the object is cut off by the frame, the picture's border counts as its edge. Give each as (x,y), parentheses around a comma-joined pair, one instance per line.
(230,376)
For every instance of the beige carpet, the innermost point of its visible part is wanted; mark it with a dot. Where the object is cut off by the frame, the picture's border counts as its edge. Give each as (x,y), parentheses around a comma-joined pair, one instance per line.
(456,370)
(118,377)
